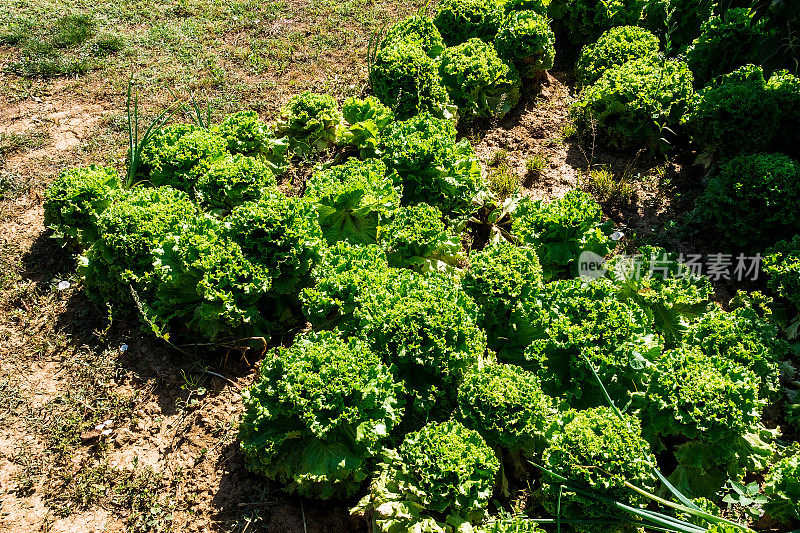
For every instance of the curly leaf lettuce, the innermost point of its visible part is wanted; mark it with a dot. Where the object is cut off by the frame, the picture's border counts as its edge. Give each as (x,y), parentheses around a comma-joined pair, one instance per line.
(319,414)
(353,200)
(440,479)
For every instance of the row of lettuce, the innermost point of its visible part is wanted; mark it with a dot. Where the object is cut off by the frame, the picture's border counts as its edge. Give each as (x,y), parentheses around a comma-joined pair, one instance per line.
(426,369)
(431,373)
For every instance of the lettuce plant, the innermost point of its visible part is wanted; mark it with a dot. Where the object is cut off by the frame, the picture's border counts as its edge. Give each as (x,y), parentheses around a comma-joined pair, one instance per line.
(752,200)
(426,327)
(784,88)
(598,451)
(245,134)
(561,230)
(689,397)
(353,200)
(283,236)
(461,20)
(583,21)
(129,229)
(536,6)
(506,405)
(726,42)
(742,337)
(481,84)
(502,278)
(365,120)
(782,266)
(171,153)
(440,479)
(666,289)
(226,182)
(571,320)
(614,48)
(343,273)
(310,122)
(417,238)
(714,412)
(526,40)
(431,166)
(74,201)
(677,21)
(733,114)
(782,487)
(205,289)
(419,30)
(631,105)
(406,79)
(318,415)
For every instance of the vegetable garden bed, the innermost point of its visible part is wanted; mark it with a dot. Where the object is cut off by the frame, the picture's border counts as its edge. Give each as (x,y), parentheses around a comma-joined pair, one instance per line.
(435,350)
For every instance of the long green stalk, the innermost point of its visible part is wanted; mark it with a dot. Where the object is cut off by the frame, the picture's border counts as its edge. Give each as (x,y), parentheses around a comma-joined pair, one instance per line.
(661,519)
(135,144)
(708,517)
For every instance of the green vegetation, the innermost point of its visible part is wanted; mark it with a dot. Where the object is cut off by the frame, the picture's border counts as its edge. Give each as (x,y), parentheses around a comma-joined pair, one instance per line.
(343,274)
(614,48)
(171,154)
(206,289)
(309,122)
(461,20)
(503,279)
(785,89)
(733,114)
(752,200)
(406,79)
(120,262)
(506,405)
(418,30)
(632,104)
(716,412)
(365,119)
(666,289)
(226,182)
(442,470)
(480,83)
(561,230)
(67,45)
(353,200)
(782,486)
(417,238)
(282,236)
(526,40)
(245,134)
(319,415)
(571,320)
(431,166)
(584,21)
(426,327)
(741,337)
(726,42)
(75,200)
(782,265)
(600,452)
(677,21)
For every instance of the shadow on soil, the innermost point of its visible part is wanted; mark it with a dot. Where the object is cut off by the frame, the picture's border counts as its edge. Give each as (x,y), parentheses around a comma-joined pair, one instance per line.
(245,502)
